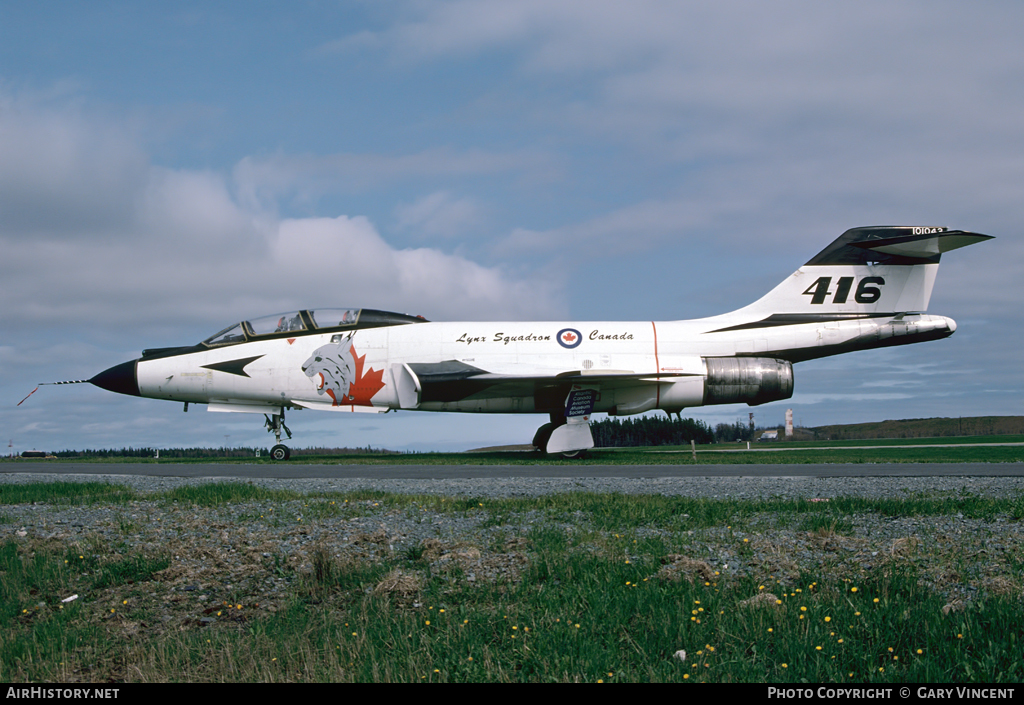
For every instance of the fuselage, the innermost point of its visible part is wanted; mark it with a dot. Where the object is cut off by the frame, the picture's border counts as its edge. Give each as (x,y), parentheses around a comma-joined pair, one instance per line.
(661,364)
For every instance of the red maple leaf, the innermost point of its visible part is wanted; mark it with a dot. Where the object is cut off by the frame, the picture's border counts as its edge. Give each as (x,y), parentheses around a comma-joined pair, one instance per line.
(362,390)
(568,337)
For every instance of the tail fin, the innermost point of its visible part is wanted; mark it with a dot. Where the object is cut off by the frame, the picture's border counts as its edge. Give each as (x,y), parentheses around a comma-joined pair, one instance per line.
(874,270)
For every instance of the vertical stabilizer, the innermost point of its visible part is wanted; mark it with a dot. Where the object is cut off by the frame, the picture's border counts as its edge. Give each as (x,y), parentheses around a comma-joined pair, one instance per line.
(866,271)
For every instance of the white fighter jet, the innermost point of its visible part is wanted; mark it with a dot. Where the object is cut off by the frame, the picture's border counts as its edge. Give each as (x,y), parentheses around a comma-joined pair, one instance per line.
(868,289)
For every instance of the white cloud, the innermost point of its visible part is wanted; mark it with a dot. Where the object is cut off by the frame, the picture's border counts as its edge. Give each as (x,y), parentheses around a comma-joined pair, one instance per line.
(261,180)
(176,245)
(439,214)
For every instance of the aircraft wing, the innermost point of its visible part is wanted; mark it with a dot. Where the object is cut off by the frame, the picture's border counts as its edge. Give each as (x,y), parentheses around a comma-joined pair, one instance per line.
(451,381)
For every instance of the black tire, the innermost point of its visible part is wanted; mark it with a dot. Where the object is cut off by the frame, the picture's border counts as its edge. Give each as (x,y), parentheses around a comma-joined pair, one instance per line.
(574,454)
(540,439)
(280,452)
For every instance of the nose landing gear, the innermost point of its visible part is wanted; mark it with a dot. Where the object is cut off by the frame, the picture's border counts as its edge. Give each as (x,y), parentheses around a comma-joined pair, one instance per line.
(275,425)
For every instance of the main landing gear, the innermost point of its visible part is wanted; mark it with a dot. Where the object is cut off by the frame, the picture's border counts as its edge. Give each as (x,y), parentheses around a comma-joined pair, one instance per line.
(275,424)
(573,436)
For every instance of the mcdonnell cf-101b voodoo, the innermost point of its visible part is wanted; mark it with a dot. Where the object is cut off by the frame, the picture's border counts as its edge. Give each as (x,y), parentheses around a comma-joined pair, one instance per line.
(868,289)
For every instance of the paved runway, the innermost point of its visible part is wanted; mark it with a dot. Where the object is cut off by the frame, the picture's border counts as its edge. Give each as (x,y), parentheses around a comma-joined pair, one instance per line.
(444,472)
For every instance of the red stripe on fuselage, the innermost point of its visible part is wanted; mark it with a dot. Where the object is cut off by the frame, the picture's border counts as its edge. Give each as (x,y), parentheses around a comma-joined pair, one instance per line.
(657,364)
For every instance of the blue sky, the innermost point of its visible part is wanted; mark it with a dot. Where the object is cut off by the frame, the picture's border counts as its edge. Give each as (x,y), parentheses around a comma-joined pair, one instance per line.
(167,169)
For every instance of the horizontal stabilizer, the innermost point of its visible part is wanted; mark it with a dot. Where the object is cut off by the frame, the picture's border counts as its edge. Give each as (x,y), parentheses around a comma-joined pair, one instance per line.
(888,244)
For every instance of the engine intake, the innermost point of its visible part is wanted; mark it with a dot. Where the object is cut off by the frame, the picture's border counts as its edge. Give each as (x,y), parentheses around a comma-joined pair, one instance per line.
(750,380)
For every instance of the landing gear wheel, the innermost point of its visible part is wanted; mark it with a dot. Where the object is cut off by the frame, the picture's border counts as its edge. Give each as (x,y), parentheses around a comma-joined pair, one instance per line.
(280,452)
(540,439)
(572,454)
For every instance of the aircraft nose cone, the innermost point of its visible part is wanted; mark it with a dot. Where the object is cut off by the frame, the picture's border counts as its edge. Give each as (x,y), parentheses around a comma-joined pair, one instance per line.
(119,378)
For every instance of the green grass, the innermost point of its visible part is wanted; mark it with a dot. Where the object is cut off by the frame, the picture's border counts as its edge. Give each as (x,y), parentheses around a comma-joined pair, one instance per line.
(66,493)
(589,603)
(965,449)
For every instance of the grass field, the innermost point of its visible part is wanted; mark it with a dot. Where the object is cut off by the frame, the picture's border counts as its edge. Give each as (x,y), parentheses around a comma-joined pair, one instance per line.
(599,587)
(983,449)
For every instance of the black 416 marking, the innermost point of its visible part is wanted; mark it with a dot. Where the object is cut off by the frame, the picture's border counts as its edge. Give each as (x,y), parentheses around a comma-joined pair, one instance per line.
(866,293)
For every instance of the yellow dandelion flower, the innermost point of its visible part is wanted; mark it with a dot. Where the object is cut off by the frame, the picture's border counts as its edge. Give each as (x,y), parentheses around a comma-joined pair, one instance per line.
(817,648)
(828,619)
(785,665)
(853,589)
(919,652)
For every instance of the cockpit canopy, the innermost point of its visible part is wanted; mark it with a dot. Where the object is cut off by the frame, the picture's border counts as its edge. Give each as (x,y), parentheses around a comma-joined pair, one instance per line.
(308,321)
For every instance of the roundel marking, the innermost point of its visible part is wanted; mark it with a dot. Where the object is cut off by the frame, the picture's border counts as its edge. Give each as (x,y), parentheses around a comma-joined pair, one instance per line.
(569,338)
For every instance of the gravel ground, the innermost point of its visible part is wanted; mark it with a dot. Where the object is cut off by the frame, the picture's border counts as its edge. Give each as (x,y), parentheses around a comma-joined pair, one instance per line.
(249,552)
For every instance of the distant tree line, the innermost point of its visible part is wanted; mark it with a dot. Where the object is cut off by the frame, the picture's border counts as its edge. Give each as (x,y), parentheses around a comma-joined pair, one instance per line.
(649,431)
(729,433)
(164,453)
(237,452)
(925,428)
